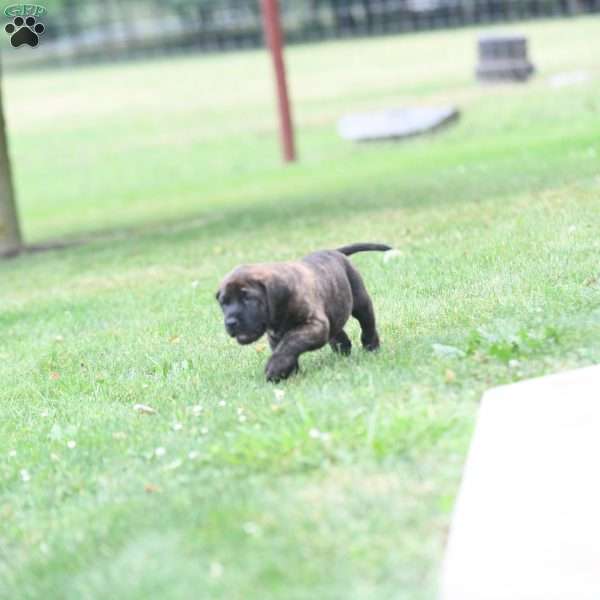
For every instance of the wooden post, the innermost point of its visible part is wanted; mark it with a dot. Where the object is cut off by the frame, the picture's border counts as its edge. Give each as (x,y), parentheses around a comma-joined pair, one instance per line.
(274,38)
(10,232)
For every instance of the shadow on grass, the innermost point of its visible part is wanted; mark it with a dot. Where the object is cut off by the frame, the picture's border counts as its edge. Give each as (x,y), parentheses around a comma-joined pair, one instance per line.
(489,176)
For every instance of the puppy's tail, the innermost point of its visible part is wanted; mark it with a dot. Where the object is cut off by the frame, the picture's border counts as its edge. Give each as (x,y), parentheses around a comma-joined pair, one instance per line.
(354,248)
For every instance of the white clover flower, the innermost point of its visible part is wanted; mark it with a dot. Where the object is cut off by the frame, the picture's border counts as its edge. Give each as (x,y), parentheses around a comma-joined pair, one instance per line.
(144,409)
(391,255)
(216,570)
(251,529)
(315,434)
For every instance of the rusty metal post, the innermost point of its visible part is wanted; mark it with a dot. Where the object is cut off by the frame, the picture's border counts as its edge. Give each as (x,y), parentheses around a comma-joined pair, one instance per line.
(274,38)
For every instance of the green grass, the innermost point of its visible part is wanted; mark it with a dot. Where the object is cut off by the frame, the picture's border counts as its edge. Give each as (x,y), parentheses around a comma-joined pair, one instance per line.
(344,487)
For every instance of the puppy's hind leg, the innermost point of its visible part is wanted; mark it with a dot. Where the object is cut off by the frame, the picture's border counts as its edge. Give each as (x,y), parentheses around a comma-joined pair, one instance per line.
(341,343)
(363,311)
(365,315)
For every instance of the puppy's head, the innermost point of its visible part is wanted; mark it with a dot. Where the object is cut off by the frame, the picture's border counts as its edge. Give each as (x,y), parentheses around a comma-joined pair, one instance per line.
(244,301)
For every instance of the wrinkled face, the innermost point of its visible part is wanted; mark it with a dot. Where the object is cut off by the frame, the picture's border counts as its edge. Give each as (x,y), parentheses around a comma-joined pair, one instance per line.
(245,310)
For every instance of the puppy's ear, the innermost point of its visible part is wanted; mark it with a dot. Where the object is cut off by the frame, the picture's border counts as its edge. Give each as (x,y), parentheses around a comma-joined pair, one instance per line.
(277,294)
(217,295)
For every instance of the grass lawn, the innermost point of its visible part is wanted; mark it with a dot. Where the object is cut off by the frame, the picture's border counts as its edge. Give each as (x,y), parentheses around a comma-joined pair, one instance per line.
(342,484)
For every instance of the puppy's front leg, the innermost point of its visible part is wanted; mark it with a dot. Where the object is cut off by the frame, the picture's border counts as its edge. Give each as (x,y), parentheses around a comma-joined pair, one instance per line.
(284,360)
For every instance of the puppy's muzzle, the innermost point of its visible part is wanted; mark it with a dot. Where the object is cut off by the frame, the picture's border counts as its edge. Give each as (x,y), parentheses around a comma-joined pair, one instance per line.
(232,326)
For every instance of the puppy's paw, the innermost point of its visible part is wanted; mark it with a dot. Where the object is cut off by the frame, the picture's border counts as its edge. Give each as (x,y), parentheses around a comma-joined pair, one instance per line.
(345,349)
(371,344)
(280,367)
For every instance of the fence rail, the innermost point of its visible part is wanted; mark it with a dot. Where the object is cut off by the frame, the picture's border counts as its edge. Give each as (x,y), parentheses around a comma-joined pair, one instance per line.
(97,30)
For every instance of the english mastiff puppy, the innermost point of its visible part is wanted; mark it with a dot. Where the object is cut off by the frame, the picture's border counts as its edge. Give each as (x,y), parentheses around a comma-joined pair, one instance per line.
(301,306)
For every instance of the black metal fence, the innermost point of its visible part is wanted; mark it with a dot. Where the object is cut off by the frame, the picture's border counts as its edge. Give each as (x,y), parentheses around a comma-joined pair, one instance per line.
(94,30)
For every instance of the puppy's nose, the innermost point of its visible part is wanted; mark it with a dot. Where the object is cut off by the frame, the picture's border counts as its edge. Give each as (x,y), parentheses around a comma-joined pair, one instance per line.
(231,324)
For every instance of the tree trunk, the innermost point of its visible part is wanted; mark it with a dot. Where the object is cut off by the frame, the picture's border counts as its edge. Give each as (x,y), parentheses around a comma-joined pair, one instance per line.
(10,232)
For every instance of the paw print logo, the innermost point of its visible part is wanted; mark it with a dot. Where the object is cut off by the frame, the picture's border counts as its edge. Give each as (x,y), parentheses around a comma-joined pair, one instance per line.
(24,31)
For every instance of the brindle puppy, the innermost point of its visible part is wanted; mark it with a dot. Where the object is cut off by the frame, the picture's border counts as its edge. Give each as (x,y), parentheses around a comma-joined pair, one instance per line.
(301,305)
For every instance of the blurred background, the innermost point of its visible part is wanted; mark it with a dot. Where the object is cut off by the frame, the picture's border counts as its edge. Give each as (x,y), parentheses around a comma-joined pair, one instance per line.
(96,30)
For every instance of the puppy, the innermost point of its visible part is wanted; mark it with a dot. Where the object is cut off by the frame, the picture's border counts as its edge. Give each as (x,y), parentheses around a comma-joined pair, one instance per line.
(301,305)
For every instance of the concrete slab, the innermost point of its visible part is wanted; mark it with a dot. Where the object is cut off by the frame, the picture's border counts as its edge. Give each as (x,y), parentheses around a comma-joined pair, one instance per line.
(395,123)
(527,518)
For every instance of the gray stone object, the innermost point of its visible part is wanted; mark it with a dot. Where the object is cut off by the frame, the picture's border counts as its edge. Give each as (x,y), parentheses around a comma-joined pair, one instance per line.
(503,58)
(395,123)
